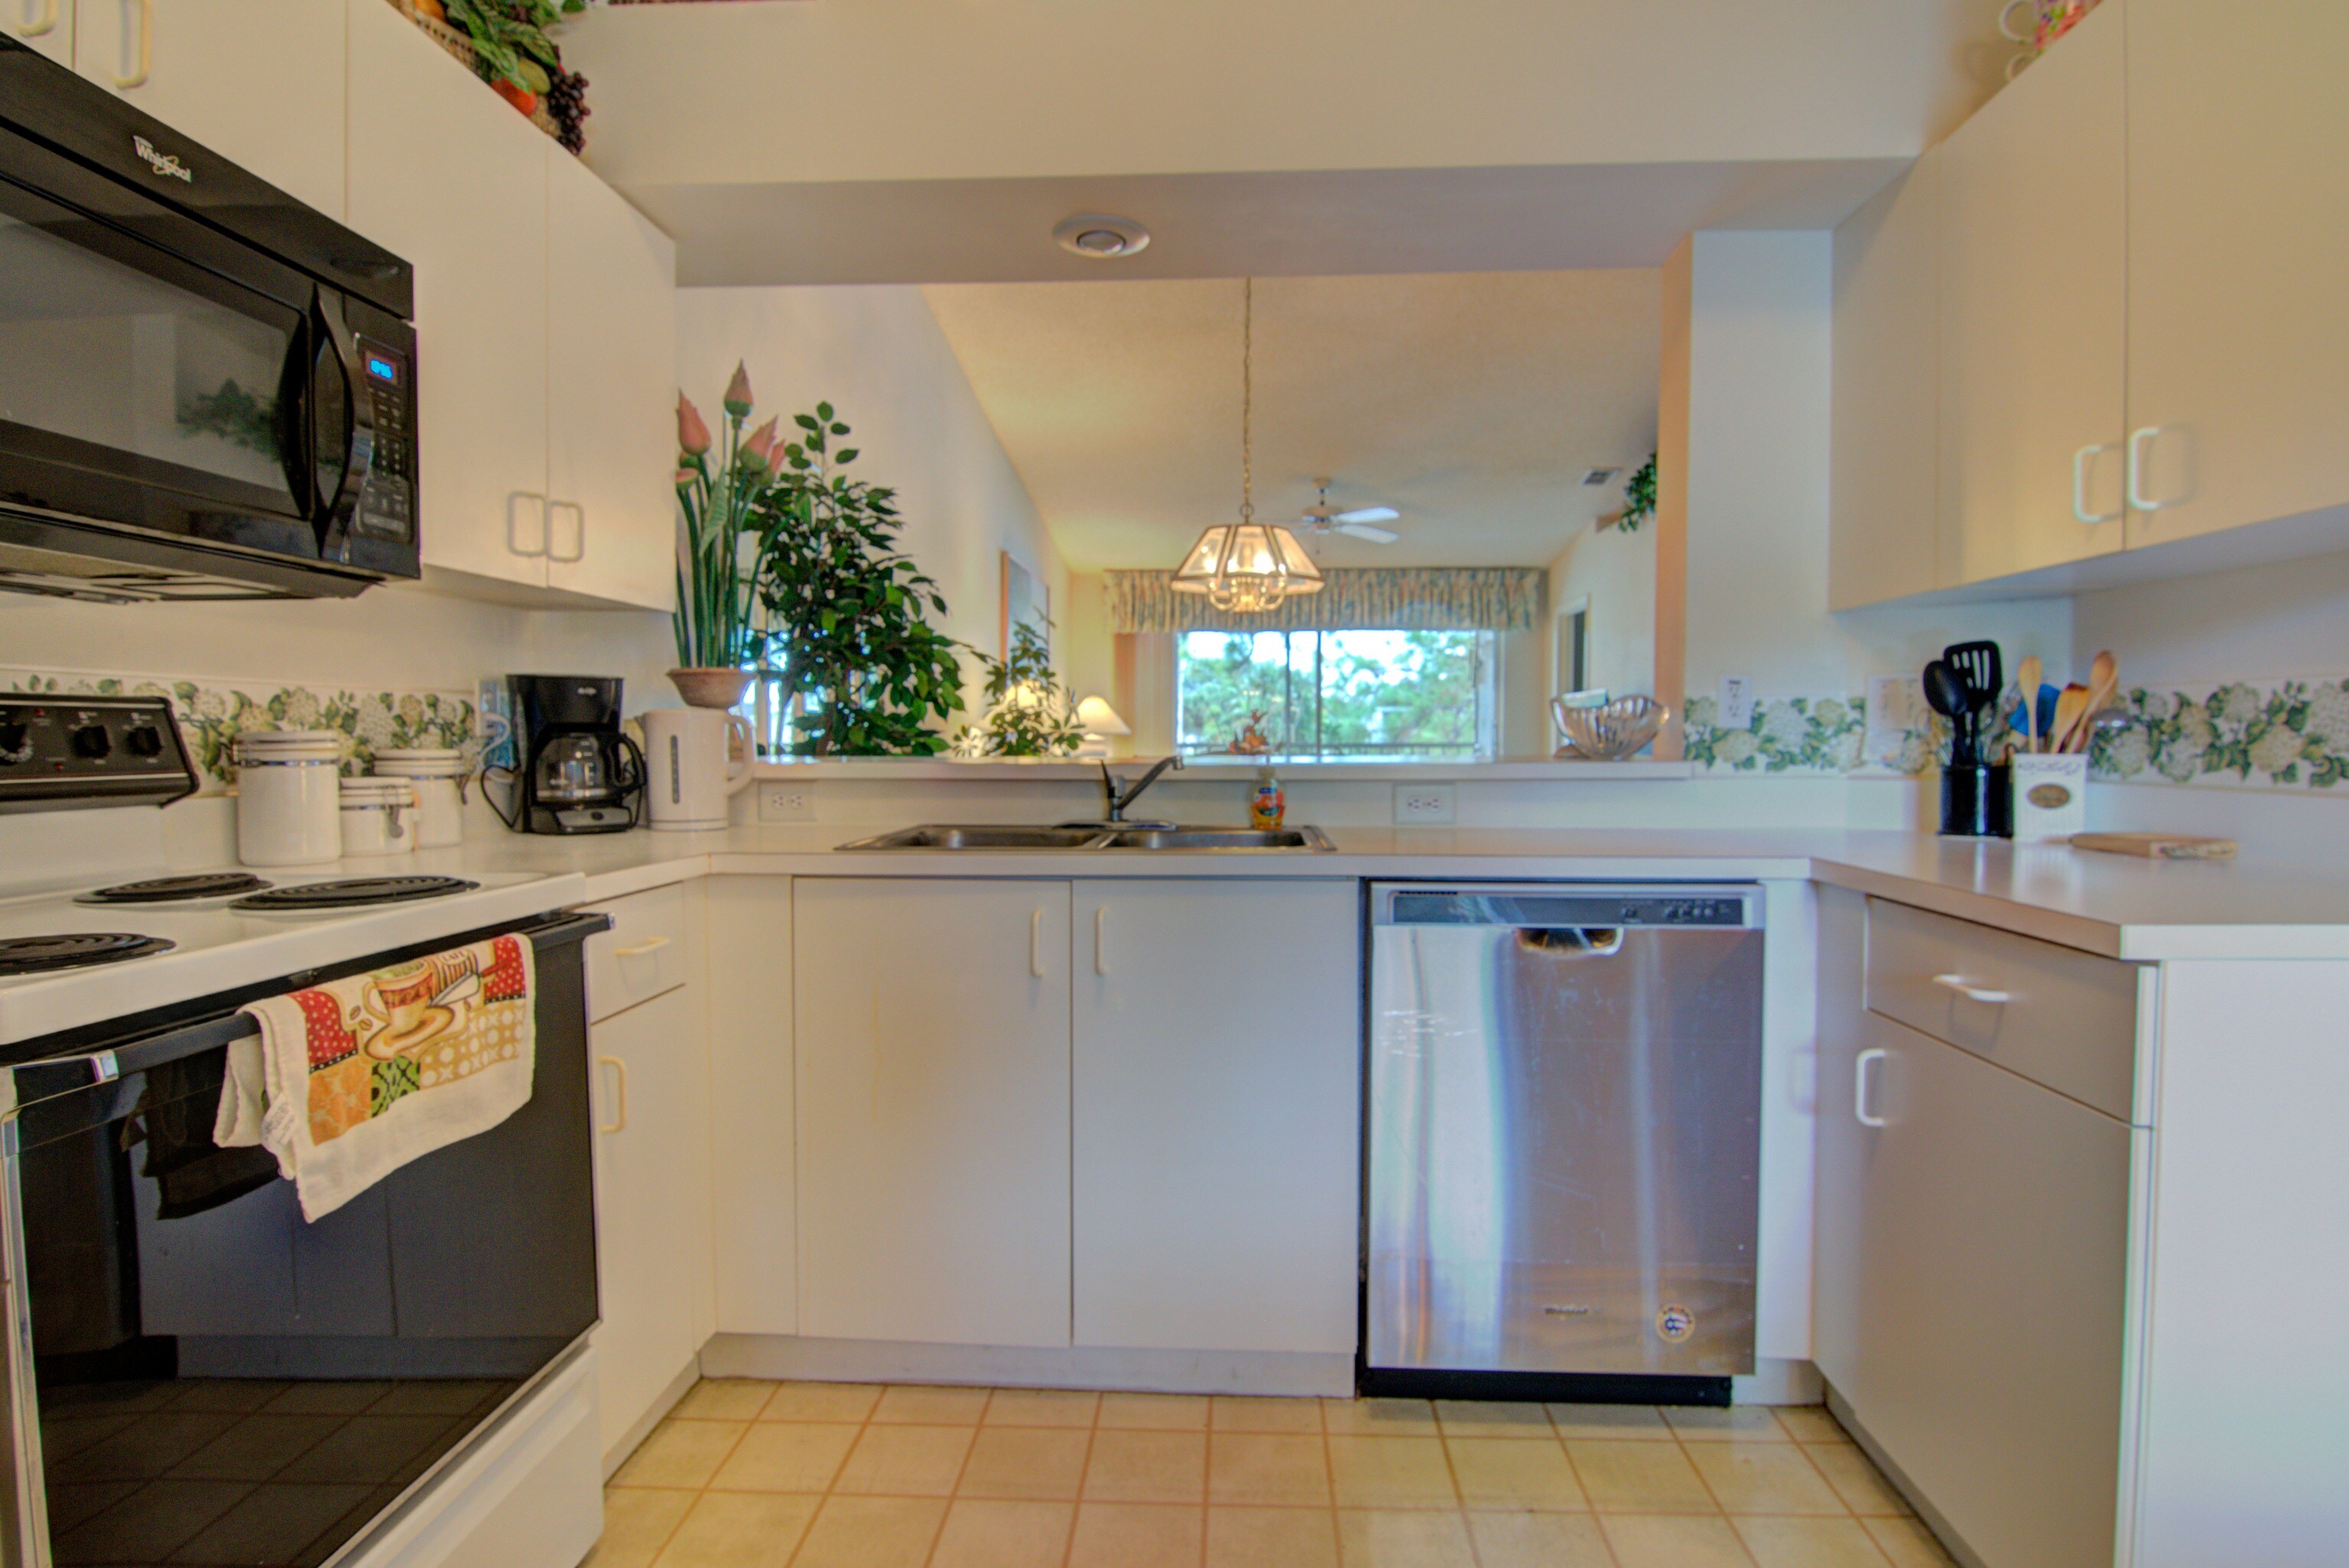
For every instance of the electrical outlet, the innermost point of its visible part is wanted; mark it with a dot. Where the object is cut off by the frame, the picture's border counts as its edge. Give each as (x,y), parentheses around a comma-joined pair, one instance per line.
(787,804)
(1736,703)
(1422,803)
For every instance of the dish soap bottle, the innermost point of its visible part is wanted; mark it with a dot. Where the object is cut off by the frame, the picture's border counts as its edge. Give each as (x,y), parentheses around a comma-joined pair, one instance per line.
(1266,803)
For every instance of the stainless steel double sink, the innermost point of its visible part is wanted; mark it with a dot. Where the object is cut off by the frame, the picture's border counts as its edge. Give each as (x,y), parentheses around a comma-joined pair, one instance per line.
(1091,836)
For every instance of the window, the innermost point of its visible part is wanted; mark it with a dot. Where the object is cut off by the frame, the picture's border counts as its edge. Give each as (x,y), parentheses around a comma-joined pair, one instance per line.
(1340,696)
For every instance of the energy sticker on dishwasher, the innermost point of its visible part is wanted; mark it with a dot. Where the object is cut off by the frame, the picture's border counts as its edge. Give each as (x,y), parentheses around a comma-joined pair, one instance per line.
(1675,1323)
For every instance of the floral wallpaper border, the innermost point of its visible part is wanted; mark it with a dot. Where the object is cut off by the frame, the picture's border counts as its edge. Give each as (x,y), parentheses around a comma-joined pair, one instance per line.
(212,713)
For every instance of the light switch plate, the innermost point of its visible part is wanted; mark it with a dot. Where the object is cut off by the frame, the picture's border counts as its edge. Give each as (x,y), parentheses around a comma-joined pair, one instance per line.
(1736,703)
(1423,804)
(787,802)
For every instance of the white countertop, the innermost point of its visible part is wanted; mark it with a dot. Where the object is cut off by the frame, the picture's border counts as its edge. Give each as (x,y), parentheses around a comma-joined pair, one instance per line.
(2111,904)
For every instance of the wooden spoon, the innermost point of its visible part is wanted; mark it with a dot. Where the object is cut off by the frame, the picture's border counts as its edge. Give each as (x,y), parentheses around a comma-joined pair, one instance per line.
(2104,680)
(2071,706)
(2028,675)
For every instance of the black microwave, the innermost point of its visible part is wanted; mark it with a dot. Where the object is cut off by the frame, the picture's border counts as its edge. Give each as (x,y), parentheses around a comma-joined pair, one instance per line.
(207,389)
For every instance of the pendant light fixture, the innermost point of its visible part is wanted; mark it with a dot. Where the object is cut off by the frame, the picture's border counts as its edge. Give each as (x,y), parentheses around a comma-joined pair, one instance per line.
(1246,567)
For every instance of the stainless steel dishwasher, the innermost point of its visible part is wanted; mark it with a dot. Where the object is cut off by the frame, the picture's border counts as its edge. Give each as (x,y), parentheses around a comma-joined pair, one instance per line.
(1564,1140)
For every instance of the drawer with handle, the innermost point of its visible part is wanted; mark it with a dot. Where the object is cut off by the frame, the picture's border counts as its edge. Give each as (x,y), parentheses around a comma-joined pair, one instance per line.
(642,957)
(2060,1017)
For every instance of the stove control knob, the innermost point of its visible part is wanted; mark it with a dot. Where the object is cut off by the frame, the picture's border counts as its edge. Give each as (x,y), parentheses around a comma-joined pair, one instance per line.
(144,740)
(92,741)
(15,743)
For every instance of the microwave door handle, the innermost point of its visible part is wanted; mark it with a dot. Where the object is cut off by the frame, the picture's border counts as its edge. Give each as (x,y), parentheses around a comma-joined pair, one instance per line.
(356,437)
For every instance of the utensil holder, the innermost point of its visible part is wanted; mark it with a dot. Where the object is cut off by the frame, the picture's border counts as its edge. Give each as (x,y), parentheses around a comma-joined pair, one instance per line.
(1977,801)
(2050,795)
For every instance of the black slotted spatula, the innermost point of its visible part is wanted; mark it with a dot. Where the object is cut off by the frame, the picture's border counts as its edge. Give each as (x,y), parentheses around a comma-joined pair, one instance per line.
(1979,666)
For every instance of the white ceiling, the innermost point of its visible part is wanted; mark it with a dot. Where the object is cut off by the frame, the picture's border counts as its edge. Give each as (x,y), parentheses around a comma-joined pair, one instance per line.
(1472,402)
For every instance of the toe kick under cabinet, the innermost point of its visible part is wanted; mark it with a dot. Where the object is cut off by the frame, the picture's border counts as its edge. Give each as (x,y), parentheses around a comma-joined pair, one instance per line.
(2067,1218)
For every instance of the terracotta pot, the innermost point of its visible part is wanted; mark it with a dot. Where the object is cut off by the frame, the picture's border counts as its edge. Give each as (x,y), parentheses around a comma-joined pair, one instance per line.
(710,686)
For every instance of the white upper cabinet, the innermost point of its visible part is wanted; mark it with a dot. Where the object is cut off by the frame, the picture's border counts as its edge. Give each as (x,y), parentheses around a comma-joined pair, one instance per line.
(2237,260)
(48,25)
(2033,316)
(932,1041)
(1217,1049)
(444,173)
(260,82)
(611,371)
(1885,490)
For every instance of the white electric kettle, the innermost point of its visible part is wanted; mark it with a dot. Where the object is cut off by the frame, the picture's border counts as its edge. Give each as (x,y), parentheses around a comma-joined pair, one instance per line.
(690,767)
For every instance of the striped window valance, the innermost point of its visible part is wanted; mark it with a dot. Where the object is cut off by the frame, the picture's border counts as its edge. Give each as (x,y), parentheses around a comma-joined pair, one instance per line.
(1383,599)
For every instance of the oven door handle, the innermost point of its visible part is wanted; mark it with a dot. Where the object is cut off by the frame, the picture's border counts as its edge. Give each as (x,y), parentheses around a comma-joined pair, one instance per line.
(337,353)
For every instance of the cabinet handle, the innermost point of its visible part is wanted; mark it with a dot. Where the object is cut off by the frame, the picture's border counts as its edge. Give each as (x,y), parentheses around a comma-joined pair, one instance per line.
(620,1082)
(641,948)
(47,22)
(138,77)
(576,510)
(1101,945)
(1860,1066)
(1958,983)
(2080,460)
(513,523)
(1035,945)
(2138,442)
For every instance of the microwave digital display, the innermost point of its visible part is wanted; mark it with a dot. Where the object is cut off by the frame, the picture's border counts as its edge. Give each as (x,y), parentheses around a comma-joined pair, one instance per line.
(383,368)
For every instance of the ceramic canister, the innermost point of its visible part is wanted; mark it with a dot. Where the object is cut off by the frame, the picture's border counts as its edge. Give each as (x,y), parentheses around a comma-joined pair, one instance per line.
(288,795)
(378,817)
(689,766)
(438,774)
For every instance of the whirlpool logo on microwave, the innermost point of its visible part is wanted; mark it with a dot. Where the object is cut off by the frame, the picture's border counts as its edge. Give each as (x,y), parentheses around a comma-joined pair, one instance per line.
(163,163)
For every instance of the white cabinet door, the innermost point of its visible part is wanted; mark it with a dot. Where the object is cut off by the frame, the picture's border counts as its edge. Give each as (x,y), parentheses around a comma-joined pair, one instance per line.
(260,82)
(2034,329)
(1993,1235)
(1218,1046)
(2238,254)
(611,389)
(649,1243)
(932,1024)
(444,173)
(45,25)
(1839,1332)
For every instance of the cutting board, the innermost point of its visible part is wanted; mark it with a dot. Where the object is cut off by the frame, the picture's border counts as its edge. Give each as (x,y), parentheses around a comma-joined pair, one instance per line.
(2158,846)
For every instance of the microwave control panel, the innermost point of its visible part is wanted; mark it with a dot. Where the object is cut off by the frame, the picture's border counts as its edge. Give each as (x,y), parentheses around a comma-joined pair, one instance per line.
(388,500)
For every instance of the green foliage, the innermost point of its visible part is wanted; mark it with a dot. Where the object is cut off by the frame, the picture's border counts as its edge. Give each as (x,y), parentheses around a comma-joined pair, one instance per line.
(1030,711)
(846,608)
(240,417)
(510,38)
(1334,694)
(1638,497)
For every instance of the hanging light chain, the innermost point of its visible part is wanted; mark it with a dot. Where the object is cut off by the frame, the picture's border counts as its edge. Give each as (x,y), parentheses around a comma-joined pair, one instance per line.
(1248,398)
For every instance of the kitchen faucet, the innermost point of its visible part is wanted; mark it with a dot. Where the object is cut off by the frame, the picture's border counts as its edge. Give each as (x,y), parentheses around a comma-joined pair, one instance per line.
(1119,801)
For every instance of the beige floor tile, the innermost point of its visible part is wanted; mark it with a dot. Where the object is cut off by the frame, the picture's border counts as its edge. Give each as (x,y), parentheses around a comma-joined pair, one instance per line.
(1539,1541)
(741,1529)
(1493,1418)
(1609,1422)
(905,1461)
(786,1456)
(1638,1478)
(1384,1538)
(871,1532)
(1042,1463)
(909,1404)
(988,1533)
(1136,1535)
(822,1402)
(1859,1484)
(1271,1538)
(1147,1467)
(637,1522)
(1661,1541)
(1763,1478)
(1285,1468)
(1042,1408)
(1230,1413)
(725,1399)
(680,1453)
(1908,1542)
(1391,1472)
(1810,1423)
(1380,1417)
(1503,1472)
(1725,1423)
(1154,1412)
(1782,1543)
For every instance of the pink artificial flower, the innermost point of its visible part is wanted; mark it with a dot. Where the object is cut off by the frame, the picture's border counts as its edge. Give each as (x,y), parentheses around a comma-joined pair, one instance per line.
(762,444)
(738,392)
(692,435)
(684,478)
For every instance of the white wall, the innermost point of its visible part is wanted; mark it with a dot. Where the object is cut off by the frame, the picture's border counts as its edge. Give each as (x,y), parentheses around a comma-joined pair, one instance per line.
(2287,619)
(1615,572)
(877,355)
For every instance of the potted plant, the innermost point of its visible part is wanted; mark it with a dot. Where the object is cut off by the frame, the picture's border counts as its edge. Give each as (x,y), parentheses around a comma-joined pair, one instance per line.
(1030,711)
(717,640)
(846,608)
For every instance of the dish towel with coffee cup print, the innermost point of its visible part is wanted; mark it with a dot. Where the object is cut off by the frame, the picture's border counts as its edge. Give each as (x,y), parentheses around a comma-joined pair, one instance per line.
(350,1080)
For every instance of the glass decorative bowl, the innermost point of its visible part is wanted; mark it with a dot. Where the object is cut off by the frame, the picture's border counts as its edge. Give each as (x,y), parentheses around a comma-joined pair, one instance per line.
(1611,731)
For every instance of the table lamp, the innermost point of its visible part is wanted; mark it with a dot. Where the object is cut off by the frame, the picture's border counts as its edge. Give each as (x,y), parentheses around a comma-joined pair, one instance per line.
(1100,722)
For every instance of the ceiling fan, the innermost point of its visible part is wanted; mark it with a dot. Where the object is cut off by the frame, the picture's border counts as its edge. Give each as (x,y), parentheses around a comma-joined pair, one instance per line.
(1360,523)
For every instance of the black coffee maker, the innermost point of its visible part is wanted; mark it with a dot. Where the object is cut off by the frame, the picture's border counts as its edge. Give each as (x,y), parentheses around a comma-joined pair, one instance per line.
(574,771)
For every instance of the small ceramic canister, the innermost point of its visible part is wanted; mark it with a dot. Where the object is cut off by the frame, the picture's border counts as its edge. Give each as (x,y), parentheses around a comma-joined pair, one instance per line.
(378,817)
(438,774)
(2050,795)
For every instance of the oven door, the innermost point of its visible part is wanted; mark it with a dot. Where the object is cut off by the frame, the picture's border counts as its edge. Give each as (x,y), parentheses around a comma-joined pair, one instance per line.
(198,1376)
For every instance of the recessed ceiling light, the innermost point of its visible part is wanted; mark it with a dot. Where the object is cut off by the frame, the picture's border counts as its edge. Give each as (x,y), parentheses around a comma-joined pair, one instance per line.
(1100,236)
(1600,476)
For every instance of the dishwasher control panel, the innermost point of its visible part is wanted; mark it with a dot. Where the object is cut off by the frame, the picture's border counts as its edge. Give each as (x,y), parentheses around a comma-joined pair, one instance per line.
(1736,908)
